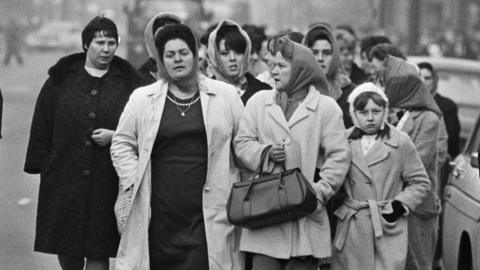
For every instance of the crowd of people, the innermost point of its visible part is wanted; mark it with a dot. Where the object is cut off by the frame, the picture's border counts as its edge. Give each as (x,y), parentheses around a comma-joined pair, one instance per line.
(138,165)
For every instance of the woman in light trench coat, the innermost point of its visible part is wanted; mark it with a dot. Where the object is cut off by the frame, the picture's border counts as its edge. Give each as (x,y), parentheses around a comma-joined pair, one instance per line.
(385,182)
(133,149)
(306,131)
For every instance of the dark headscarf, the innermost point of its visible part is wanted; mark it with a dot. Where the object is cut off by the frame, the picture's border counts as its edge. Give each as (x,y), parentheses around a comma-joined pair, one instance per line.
(404,88)
(305,71)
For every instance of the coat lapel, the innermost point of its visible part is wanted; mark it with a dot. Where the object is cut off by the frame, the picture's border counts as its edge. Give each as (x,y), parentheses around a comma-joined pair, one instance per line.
(377,154)
(303,111)
(358,159)
(275,112)
(205,100)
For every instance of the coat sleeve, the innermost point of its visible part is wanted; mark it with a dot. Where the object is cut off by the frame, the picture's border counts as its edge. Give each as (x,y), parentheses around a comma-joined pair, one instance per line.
(336,154)
(246,145)
(426,141)
(417,184)
(124,148)
(40,142)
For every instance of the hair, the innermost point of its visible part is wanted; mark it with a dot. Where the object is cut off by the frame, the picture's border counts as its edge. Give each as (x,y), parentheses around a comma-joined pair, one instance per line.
(295,36)
(426,65)
(314,35)
(233,38)
(346,41)
(98,26)
(383,50)
(204,37)
(347,28)
(161,22)
(257,36)
(361,102)
(175,31)
(369,42)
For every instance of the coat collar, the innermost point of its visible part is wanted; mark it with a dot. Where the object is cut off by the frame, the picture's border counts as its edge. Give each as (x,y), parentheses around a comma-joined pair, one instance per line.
(160,87)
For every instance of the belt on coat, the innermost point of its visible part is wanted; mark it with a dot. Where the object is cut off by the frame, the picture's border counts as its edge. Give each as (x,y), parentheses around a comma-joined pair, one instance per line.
(349,209)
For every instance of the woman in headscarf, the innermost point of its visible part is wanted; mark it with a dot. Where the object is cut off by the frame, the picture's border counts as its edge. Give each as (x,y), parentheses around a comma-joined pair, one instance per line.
(172,152)
(414,111)
(305,130)
(149,70)
(320,39)
(228,52)
(385,182)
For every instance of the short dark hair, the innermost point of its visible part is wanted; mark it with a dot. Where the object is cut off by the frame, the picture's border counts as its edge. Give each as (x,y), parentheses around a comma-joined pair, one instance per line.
(175,31)
(204,37)
(295,36)
(98,26)
(426,65)
(362,99)
(161,22)
(233,38)
(369,42)
(257,36)
(383,50)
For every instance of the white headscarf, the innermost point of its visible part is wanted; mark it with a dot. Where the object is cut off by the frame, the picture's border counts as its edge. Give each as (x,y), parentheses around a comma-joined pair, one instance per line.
(363,88)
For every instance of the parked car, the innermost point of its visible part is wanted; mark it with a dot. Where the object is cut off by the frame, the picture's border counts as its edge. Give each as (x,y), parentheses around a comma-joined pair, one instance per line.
(461,216)
(459,80)
(56,35)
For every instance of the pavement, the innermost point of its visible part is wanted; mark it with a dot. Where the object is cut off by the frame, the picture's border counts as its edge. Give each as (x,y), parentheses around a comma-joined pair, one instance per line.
(20,86)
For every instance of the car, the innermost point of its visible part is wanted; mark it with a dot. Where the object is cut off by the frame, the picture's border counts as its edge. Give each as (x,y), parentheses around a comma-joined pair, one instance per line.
(461,201)
(56,35)
(459,80)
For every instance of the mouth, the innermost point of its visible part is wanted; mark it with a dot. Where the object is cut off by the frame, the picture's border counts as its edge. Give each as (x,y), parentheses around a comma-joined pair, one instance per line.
(233,67)
(179,68)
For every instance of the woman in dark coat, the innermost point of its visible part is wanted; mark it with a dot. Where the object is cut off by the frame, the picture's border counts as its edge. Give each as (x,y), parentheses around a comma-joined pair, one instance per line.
(76,113)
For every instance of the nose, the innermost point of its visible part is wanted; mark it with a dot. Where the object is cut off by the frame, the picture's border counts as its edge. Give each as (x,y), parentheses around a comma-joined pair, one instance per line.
(370,116)
(232,56)
(274,70)
(105,47)
(178,58)
(320,57)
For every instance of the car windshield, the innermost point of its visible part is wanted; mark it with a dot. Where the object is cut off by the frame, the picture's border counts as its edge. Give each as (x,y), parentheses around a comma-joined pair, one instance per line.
(451,82)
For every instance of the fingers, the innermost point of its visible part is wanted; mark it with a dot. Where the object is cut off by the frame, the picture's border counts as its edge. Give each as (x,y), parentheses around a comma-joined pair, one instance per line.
(277,153)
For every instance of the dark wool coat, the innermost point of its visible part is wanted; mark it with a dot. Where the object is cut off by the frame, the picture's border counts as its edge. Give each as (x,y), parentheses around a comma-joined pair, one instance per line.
(253,86)
(78,185)
(452,123)
(146,70)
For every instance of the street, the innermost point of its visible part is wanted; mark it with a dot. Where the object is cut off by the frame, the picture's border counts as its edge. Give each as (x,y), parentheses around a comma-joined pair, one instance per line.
(18,194)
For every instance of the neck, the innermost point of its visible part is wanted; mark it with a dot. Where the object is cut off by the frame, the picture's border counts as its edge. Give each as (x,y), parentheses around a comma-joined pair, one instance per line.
(182,93)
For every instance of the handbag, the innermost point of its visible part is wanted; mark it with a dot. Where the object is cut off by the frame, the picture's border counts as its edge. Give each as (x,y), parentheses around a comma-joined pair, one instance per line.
(266,200)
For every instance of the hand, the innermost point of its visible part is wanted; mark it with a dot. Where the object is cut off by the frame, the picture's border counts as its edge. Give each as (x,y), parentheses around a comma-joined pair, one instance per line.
(398,211)
(277,153)
(102,136)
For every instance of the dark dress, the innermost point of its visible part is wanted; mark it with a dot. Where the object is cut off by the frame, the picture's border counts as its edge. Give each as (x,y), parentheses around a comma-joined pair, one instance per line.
(179,169)
(78,184)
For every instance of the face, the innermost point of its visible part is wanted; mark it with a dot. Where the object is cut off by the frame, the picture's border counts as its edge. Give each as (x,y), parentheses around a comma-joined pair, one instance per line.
(100,52)
(377,65)
(346,57)
(281,72)
(427,78)
(177,59)
(371,117)
(366,65)
(322,49)
(231,60)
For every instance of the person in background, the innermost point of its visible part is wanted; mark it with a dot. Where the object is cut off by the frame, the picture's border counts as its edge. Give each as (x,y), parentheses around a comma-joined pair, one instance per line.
(14,42)
(75,116)
(228,52)
(379,54)
(347,42)
(267,57)
(415,112)
(366,44)
(257,37)
(385,182)
(149,70)
(447,106)
(306,131)
(204,65)
(321,41)
(176,169)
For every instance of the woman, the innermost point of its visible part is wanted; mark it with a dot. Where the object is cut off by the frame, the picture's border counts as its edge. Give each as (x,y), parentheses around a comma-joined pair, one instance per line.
(320,39)
(76,112)
(306,131)
(149,69)
(228,52)
(385,182)
(172,152)
(415,112)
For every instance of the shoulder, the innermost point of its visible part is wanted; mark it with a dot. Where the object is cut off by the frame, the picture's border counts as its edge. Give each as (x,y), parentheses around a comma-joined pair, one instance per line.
(326,103)
(143,92)
(218,87)
(127,70)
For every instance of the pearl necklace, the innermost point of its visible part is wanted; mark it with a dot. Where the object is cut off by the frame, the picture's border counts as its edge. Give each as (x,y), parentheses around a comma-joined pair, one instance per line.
(179,104)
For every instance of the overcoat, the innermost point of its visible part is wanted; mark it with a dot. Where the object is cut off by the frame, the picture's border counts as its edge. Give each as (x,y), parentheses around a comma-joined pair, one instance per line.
(78,184)
(131,150)
(391,170)
(314,137)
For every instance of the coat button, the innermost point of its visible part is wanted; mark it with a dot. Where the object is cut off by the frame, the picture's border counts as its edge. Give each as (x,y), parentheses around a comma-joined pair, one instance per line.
(286,141)
(91,115)
(207,189)
(86,173)
(88,144)
(94,92)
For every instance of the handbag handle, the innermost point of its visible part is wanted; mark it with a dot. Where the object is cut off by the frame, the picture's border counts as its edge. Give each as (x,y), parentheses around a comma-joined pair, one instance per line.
(258,171)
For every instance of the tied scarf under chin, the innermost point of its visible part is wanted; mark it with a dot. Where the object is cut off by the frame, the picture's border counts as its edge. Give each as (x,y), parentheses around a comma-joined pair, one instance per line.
(358,133)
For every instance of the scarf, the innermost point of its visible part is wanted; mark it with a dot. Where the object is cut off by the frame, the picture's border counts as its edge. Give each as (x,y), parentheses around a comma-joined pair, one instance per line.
(214,56)
(305,71)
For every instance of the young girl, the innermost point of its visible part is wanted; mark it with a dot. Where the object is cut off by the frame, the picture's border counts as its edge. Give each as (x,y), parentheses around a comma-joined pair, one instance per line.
(385,182)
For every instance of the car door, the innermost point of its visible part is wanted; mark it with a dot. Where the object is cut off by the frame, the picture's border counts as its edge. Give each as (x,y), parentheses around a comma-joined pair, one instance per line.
(461,217)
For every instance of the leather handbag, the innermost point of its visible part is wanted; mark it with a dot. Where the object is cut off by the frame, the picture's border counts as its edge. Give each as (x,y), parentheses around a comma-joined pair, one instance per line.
(266,200)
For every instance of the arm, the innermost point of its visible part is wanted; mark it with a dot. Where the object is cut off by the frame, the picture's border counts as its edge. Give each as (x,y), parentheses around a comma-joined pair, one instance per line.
(426,140)
(337,155)
(39,144)
(124,148)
